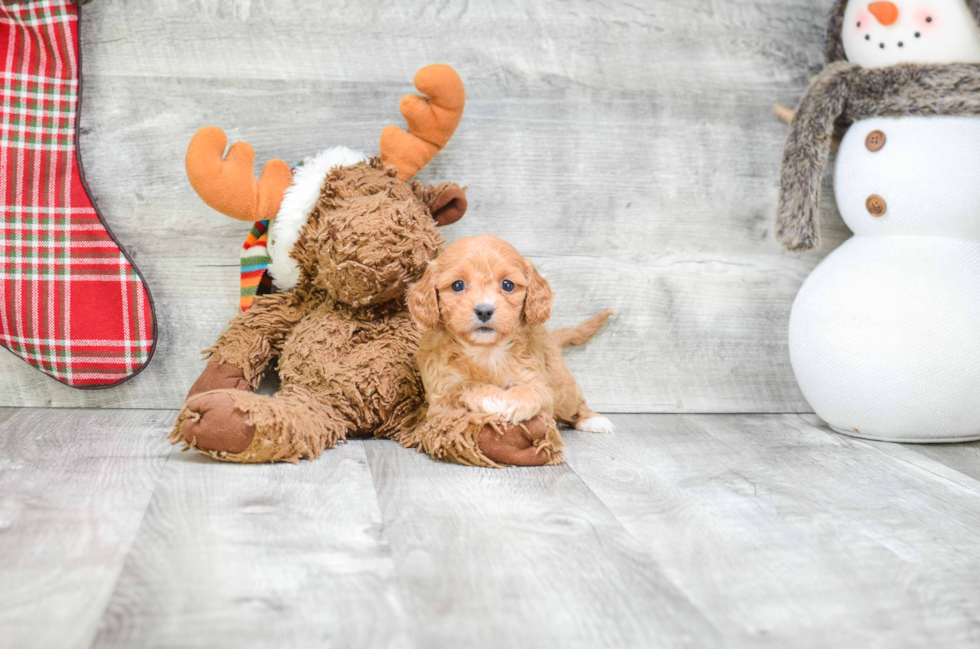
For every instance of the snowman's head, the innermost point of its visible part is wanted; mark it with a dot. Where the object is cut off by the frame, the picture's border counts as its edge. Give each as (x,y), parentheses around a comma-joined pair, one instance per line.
(879,34)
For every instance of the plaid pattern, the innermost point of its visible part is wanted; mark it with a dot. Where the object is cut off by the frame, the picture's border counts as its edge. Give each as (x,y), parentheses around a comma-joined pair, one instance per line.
(71,303)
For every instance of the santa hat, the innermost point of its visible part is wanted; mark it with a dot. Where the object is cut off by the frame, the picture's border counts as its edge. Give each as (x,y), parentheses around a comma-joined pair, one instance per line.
(297,205)
(845,93)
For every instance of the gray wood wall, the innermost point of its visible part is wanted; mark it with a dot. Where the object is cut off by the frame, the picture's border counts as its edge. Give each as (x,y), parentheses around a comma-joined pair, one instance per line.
(628,148)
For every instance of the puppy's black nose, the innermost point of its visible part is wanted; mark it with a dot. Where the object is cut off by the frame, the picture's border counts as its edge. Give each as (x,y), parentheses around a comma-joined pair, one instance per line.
(483,311)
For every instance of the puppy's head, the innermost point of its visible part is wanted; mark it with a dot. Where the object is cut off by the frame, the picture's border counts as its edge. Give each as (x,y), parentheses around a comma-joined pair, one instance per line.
(481,290)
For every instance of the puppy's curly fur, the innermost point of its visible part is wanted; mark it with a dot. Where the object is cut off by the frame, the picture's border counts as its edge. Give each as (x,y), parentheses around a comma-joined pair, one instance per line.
(486,353)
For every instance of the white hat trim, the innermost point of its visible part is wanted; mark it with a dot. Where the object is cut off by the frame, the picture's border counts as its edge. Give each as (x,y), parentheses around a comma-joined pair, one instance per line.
(297,205)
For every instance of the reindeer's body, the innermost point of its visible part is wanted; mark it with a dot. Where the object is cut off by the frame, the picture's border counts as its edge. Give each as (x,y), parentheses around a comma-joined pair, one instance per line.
(341,373)
(343,336)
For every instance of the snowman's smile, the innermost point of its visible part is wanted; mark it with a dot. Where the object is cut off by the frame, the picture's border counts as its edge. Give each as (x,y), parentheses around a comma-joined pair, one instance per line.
(883,25)
(880,34)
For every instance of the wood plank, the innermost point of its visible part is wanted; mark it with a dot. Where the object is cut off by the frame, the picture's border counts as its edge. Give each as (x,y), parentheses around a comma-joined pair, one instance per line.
(521,557)
(74,485)
(8,413)
(259,556)
(963,458)
(785,534)
(628,148)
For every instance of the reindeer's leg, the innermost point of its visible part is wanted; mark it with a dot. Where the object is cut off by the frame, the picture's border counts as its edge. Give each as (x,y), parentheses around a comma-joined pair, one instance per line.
(219,376)
(253,339)
(479,439)
(237,426)
(534,442)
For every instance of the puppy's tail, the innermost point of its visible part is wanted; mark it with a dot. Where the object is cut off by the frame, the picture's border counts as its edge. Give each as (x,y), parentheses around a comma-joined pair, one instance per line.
(582,333)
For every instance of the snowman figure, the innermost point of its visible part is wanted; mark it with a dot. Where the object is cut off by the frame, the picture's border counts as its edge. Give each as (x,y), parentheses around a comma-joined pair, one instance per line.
(884,335)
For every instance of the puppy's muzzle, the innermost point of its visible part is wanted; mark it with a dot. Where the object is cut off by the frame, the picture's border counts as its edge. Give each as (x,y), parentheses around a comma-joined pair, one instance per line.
(483,311)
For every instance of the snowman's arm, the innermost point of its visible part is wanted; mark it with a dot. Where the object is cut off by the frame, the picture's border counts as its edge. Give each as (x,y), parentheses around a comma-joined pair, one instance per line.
(805,157)
(787,114)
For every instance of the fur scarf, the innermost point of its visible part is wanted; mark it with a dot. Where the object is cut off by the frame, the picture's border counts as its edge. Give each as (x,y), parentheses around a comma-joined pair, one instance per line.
(843,94)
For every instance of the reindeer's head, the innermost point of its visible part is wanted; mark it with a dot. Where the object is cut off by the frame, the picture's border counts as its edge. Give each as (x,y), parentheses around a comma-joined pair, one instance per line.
(346,224)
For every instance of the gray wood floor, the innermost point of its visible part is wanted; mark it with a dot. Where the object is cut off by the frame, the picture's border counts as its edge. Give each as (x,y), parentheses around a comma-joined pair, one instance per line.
(693,530)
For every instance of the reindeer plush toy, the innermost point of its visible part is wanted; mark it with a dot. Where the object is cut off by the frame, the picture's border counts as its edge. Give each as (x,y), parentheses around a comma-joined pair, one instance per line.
(348,235)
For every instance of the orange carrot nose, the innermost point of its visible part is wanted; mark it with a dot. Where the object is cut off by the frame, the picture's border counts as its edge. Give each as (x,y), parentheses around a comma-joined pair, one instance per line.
(885,12)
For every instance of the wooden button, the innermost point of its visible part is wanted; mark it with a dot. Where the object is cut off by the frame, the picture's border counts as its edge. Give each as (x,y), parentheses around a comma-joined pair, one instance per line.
(874,141)
(876,205)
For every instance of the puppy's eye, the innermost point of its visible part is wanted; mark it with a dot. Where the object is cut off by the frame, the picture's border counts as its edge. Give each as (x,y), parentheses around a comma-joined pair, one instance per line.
(458,286)
(507,285)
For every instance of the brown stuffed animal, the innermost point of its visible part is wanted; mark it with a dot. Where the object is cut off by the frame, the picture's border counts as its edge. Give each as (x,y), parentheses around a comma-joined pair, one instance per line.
(350,235)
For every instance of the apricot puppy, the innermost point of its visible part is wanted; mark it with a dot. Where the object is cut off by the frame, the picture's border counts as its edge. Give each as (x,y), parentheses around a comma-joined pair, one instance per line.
(485,350)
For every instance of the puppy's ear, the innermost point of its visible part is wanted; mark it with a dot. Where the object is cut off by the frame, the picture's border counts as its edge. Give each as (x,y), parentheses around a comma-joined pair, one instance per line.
(423,303)
(537,302)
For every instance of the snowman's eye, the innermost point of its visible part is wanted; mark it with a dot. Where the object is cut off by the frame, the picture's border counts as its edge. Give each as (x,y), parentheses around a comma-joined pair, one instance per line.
(859,23)
(929,19)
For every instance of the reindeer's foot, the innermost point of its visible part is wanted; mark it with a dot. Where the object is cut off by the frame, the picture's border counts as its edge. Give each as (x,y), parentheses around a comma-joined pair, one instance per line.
(481,439)
(212,424)
(219,376)
(535,442)
(237,426)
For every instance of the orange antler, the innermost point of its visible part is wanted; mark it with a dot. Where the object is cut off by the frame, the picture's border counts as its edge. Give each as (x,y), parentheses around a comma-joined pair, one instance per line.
(228,185)
(431,121)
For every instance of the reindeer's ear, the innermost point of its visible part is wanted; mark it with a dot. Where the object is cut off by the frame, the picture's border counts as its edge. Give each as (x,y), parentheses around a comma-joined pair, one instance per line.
(449,205)
(537,302)
(423,302)
(446,201)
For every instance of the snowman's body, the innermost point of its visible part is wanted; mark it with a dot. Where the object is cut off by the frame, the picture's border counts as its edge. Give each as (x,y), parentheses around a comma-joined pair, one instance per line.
(884,335)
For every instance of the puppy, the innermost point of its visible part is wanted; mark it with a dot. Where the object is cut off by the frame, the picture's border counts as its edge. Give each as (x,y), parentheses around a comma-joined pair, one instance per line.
(482,308)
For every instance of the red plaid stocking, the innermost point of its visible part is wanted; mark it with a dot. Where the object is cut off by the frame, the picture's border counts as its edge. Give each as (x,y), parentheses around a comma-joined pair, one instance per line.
(71,303)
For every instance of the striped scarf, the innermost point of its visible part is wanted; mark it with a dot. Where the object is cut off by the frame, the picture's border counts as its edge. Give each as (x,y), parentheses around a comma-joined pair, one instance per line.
(255,265)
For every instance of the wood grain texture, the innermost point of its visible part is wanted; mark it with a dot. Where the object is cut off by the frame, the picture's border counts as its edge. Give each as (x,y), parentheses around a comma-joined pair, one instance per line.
(785,534)
(628,148)
(521,557)
(74,485)
(259,556)
(962,458)
(678,530)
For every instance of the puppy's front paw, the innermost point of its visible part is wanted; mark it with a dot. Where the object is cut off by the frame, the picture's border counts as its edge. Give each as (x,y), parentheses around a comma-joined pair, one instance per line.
(510,410)
(496,406)
(596,424)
